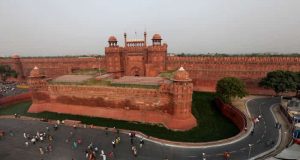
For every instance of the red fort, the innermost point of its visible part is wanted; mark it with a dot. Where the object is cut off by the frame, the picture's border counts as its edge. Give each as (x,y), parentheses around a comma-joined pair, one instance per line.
(169,103)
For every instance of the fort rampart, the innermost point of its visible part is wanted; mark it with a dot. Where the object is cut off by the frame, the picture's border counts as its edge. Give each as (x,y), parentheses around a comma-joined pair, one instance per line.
(170,104)
(232,113)
(205,71)
(53,67)
(15,99)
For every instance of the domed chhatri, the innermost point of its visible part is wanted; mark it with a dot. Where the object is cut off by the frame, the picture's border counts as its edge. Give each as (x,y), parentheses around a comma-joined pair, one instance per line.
(156,37)
(112,39)
(15,56)
(35,72)
(181,75)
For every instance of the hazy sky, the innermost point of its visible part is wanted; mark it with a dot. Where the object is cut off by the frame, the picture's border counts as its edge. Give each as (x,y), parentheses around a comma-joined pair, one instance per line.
(60,27)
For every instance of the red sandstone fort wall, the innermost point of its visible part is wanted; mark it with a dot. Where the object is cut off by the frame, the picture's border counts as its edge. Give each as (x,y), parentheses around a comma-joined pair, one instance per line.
(235,115)
(112,97)
(206,71)
(15,99)
(53,67)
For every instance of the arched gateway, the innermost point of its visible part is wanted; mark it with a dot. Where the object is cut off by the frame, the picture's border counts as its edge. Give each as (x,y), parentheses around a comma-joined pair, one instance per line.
(136,71)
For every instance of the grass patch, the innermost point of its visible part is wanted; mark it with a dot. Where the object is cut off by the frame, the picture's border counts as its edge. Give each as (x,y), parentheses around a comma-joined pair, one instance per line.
(106,82)
(135,85)
(167,74)
(89,71)
(212,125)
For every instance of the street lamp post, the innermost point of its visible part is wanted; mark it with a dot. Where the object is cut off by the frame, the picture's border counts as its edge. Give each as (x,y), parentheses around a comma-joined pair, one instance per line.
(250,145)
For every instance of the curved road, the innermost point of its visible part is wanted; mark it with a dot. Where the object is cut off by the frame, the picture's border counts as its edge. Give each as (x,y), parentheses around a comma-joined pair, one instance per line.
(264,138)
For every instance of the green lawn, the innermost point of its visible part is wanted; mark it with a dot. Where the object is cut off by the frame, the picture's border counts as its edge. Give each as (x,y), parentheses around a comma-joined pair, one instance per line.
(212,125)
(106,82)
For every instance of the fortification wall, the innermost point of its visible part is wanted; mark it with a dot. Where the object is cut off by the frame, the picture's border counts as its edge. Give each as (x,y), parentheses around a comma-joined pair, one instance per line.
(15,99)
(206,71)
(114,97)
(131,104)
(235,115)
(53,67)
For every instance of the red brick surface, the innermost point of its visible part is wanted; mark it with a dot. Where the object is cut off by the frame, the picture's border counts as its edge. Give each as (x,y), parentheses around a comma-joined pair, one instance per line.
(235,115)
(169,105)
(15,99)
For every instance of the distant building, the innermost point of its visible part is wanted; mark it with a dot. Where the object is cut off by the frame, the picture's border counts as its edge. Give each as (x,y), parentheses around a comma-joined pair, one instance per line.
(291,107)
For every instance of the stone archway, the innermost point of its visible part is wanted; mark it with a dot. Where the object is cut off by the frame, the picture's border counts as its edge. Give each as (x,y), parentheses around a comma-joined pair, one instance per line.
(135,71)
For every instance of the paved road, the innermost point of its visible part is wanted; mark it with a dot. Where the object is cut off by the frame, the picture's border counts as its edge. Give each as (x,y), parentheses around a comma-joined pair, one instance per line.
(13,147)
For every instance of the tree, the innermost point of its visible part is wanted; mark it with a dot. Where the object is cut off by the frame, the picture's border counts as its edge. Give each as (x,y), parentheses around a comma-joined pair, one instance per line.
(6,71)
(281,81)
(230,87)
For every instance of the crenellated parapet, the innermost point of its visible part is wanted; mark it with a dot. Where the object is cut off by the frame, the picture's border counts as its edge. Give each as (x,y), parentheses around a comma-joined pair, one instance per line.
(207,70)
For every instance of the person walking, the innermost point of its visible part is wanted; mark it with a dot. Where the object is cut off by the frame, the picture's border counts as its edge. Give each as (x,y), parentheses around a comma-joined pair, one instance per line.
(50,148)
(131,140)
(41,151)
(114,144)
(102,154)
(33,140)
(118,140)
(79,141)
(252,132)
(55,127)
(226,155)
(134,150)
(25,135)
(141,142)
(106,131)
(74,144)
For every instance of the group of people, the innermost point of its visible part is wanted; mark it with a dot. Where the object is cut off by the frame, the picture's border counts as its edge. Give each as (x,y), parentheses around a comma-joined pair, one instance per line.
(133,147)
(132,137)
(39,137)
(92,151)
(10,89)
(43,141)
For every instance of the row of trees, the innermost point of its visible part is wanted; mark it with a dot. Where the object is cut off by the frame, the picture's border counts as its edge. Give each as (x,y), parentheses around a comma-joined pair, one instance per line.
(279,81)
(6,71)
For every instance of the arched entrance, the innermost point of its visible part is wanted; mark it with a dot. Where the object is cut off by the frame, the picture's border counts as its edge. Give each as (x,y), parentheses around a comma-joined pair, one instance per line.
(135,71)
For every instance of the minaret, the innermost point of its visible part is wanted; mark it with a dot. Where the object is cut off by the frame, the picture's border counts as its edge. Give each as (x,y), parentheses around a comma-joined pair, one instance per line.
(145,39)
(125,39)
